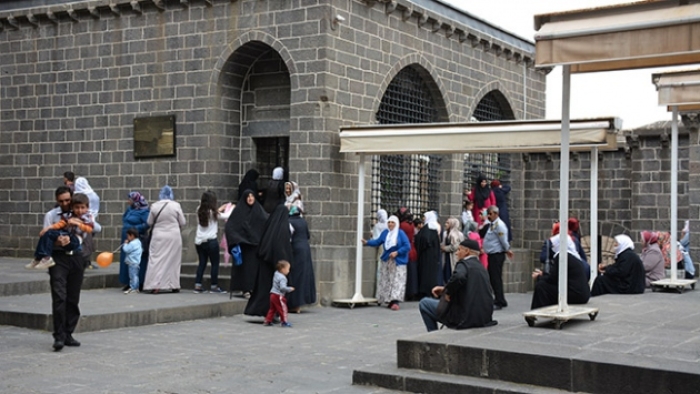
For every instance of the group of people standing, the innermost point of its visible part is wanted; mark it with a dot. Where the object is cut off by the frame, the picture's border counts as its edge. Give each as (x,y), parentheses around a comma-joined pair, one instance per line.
(416,255)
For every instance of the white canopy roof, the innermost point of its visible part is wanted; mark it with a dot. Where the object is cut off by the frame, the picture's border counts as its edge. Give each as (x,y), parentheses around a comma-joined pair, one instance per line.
(679,88)
(503,137)
(652,33)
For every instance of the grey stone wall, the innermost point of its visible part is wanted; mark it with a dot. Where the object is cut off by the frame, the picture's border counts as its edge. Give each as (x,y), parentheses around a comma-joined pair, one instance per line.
(73,78)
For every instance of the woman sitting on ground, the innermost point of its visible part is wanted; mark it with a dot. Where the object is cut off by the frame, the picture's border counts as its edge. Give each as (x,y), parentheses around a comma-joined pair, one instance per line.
(625,276)
(651,257)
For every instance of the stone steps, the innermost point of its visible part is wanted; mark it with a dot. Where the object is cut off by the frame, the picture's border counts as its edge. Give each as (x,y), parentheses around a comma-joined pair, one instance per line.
(25,300)
(478,365)
(417,381)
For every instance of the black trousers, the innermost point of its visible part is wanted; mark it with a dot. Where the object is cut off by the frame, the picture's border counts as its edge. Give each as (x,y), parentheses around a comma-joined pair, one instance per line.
(66,280)
(496,261)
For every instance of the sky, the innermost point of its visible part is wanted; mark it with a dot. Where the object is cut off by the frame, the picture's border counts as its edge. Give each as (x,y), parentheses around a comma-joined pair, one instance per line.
(629,95)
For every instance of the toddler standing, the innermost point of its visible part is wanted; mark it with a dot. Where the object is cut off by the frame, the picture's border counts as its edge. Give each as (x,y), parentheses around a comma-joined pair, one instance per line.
(132,249)
(278,301)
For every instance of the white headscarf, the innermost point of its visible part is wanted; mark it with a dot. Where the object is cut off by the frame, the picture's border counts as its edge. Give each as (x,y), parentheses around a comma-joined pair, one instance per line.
(430,220)
(624,242)
(278,173)
(83,187)
(570,246)
(380,226)
(393,237)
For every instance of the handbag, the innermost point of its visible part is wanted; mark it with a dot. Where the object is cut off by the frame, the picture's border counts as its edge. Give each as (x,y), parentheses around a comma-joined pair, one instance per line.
(149,232)
(548,261)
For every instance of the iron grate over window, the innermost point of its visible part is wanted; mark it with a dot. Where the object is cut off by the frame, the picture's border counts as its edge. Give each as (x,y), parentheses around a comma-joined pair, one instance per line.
(492,107)
(403,180)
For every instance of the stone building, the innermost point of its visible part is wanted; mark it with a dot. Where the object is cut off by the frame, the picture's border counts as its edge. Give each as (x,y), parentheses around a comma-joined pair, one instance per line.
(134,95)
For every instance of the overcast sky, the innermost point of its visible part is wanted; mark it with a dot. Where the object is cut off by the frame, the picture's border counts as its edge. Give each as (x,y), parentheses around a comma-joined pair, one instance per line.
(629,95)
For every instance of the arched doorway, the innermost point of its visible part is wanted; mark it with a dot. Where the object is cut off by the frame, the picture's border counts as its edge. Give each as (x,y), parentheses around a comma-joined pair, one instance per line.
(256,94)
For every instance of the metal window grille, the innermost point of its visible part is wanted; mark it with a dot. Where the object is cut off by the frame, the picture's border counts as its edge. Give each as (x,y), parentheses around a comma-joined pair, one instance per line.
(491,165)
(406,180)
(270,153)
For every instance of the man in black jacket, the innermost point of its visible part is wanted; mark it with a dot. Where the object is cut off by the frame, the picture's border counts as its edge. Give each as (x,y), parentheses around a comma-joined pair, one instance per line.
(467,299)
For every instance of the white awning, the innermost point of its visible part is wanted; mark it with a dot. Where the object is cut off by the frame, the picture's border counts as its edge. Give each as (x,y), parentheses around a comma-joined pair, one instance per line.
(678,88)
(501,137)
(626,36)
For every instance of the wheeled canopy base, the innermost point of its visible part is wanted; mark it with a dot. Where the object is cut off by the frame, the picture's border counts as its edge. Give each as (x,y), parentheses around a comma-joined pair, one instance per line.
(559,318)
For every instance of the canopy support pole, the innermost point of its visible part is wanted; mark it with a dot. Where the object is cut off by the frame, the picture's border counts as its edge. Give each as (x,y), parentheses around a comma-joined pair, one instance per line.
(564,188)
(358,298)
(561,313)
(594,215)
(674,192)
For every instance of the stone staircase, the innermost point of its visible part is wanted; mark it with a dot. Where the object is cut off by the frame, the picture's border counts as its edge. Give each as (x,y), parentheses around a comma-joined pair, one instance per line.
(25,300)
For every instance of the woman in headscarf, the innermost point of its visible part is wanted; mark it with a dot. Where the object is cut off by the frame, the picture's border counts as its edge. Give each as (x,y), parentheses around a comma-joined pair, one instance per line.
(450,244)
(293,196)
(165,251)
(625,276)
(136,216)
(547,285)
(249,182)
(302,276)
(651,257)
(83,187)
(427,243)
(392,282)
(406,225)
(377,230)
(576,250)
(483,198)
(275,190)
(244,229)
(275,245)
(499,192)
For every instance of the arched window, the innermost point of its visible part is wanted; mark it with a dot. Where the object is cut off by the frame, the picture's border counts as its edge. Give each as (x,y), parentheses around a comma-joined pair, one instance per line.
(492,107)
(406,180)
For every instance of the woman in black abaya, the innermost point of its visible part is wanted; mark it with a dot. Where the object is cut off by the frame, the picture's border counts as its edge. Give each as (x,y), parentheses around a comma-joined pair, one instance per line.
(245,228)
(301,276)
(274,246)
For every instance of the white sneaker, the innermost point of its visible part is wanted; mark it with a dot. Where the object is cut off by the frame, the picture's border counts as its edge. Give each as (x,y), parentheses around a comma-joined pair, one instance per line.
(32,264)
(45,263)
(131,291)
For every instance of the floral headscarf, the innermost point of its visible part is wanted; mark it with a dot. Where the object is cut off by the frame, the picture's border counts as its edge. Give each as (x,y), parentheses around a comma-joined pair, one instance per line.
(649,237)
(138,201)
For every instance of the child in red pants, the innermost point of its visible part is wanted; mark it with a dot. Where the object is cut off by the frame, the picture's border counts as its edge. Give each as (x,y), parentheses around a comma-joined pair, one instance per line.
(278,302)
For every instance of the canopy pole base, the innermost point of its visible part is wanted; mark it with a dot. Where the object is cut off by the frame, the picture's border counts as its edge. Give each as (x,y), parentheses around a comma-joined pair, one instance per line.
(671,283)
(559,318)
(357,299)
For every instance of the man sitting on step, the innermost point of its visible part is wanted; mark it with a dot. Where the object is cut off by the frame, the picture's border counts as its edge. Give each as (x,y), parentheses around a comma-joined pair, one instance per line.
(466,301)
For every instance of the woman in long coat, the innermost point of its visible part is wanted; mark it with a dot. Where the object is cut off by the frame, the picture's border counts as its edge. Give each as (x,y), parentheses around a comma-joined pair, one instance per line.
(301,276)
(449,246)
(651,257)
(136,216)
(275,245)
(244,229)
(499,192)
(165,251)
(625,276)
(547,285)
(483,198)
(427,243)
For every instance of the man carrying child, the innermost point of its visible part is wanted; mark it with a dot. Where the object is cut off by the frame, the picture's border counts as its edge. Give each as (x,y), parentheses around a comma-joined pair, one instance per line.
(66,277)
(75,224)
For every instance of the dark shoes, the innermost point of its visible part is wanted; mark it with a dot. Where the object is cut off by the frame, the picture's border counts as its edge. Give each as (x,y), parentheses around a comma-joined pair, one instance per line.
(58,345)
(497,307)
(70,341)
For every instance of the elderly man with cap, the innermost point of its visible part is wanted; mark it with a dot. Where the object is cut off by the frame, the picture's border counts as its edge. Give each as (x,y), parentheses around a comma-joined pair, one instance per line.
(466,301)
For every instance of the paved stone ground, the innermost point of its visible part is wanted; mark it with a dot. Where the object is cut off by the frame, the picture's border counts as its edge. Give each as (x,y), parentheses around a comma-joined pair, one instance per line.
(237,354)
